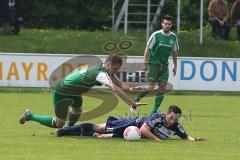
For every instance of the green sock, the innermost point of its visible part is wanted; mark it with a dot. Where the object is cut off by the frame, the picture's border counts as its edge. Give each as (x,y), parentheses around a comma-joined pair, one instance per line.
(73,118)
(141,95)
(157,103)
(43,120)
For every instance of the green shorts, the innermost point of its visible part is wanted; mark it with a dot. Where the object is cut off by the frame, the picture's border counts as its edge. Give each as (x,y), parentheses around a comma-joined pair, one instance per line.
(62,102)
(157,73)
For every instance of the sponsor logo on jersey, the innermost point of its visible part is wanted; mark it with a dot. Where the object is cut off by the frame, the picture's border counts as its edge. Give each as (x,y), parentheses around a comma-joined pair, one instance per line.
(164,45)
(171,42)
(181,129)
(163,132)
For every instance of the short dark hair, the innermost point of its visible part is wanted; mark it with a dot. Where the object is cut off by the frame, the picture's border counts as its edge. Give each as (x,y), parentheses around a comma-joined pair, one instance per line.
(167,17)
(174,109)
(114,59)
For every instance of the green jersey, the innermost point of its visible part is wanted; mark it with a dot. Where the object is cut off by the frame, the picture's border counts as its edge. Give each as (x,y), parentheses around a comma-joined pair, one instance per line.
(162,45)
(80,81)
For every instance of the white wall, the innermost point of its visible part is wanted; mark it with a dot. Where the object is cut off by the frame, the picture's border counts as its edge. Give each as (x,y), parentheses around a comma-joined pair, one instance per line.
(210,74)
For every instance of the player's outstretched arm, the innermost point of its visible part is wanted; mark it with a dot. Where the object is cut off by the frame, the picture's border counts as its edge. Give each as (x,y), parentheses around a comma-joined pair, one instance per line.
(146,132)
(122,94)
(190,138)
(123,86)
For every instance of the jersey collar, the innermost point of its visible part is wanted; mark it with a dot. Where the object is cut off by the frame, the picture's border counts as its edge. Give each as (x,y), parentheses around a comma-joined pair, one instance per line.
(166,34)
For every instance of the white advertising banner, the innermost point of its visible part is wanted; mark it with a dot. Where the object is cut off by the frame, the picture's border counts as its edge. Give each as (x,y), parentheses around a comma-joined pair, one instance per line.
(193,73)
(207,74)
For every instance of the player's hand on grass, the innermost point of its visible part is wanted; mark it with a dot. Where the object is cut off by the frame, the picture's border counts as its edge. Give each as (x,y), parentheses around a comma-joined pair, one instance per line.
(136,104)
(200,138)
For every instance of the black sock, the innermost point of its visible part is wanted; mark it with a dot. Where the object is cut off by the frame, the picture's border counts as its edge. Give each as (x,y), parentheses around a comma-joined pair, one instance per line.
(88,133)
(73,118)
(84,129)
(73,130)
(87,129)
(87,126)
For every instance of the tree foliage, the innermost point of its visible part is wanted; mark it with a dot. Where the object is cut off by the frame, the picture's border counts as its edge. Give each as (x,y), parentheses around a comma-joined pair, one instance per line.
(97,14)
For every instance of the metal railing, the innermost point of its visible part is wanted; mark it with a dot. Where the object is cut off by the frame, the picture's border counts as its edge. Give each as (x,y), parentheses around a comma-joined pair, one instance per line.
(142,10)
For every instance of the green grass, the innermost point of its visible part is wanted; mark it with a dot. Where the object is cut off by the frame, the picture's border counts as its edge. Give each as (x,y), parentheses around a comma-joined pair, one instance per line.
(215,117)
(85,42)
(211,47)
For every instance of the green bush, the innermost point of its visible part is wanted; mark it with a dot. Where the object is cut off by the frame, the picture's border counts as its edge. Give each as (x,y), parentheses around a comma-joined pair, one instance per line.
(72,14)
(97,15)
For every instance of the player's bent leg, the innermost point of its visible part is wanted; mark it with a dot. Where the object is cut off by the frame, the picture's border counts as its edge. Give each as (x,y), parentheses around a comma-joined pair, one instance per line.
(24,116)
(61,111)
(150,86)
(157,102)
(43,120)
(159,96)
(146,89)
(85,129)
(151,75)
(58,123)
(74,115)
(161,88)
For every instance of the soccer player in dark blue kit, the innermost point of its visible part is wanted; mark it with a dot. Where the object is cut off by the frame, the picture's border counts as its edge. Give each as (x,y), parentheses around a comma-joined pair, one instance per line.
(157,126)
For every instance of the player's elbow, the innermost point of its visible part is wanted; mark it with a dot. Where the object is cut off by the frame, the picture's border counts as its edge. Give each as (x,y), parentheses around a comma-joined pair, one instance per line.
(143,132)
(115,88)
(111,86)
(144,129)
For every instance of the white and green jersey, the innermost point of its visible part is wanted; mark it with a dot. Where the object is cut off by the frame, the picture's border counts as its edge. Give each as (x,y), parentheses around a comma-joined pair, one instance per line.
(162,45)
(80,81)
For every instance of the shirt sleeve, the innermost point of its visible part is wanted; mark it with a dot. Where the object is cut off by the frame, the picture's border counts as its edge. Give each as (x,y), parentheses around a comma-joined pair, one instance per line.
(151,41)
(103,78)
(181,132)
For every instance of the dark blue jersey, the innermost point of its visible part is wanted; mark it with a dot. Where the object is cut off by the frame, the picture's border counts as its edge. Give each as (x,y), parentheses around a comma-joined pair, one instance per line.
(156,122)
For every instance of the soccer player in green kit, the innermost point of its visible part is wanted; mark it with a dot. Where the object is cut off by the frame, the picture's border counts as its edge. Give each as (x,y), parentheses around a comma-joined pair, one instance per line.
(68,92)
(160,46)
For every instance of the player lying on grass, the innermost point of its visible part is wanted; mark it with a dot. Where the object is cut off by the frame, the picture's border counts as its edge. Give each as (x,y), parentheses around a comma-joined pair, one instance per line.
(68,92)
(157,126)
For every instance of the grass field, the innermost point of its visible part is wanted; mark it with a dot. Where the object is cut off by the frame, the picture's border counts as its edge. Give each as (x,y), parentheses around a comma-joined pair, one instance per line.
(216,117)
(86,42)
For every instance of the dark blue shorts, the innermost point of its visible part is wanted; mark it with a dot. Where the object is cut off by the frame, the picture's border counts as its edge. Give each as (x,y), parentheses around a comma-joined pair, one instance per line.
(117,126)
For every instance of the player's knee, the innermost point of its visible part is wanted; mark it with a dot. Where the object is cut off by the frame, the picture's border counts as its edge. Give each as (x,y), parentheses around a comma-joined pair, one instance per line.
(168,87)
(161,88)
(77,110)
(150,87)
(59,123)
